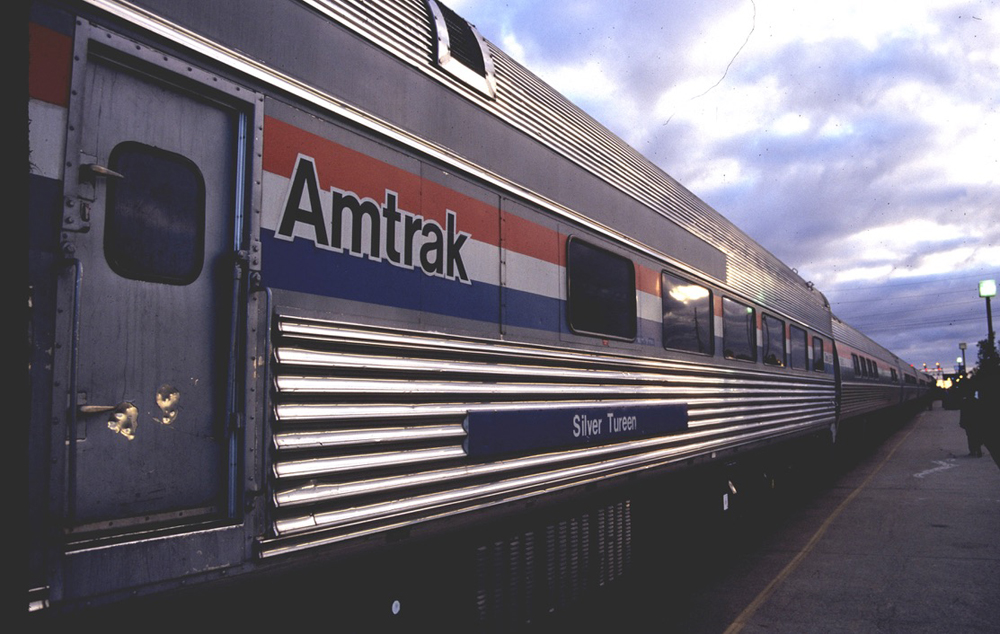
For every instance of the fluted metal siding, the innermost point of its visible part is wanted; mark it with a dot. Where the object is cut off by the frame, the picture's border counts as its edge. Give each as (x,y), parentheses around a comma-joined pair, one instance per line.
(367,431)
(858,398)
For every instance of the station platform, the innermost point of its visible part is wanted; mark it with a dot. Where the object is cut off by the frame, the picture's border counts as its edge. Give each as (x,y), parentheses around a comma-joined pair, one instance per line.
(907,541)
(900,537)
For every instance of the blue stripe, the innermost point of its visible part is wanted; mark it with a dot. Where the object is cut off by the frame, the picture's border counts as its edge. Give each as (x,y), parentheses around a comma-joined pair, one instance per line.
(300,266)
(528,310)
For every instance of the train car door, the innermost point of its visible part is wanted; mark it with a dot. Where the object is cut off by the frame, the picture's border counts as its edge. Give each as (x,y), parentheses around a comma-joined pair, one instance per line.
(158,189)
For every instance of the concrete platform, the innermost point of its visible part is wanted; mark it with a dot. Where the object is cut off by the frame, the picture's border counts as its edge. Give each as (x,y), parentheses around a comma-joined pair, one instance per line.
(911,543)
(901,538)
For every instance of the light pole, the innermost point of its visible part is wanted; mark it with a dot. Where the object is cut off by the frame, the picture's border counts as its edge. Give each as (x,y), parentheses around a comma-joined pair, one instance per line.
(962,347)
(988,289)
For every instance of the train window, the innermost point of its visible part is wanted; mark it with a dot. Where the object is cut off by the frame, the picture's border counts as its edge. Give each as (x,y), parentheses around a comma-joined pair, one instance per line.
(895,375)
(773,336)
(601,293)
(687,315)
(461,50)
(798,355)
(857,365)
(819,364)
(154,226)
(739,330)
(875,374)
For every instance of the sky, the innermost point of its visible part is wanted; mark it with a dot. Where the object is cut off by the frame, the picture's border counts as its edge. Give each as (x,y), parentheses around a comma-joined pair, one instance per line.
(858,141)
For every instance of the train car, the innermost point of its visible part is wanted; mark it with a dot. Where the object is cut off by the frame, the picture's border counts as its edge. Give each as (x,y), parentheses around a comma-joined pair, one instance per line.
(311,279)
(871,379)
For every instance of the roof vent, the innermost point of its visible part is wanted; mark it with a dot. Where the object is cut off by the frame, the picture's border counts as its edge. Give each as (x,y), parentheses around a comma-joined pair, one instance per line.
(461,51)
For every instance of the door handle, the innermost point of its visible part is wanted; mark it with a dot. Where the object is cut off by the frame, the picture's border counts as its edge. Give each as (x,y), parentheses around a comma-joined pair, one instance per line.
(100,170)
(95,409)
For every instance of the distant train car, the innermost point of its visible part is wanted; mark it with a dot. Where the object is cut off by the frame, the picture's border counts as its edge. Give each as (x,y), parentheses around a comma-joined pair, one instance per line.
(310,277)
(871,378)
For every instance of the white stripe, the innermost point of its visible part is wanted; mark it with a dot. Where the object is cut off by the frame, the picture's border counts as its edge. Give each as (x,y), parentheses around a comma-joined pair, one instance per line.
(650,306)
(531,275)
(46,139)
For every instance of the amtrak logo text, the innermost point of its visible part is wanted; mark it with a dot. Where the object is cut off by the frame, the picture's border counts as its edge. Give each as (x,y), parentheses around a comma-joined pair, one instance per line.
(379,232)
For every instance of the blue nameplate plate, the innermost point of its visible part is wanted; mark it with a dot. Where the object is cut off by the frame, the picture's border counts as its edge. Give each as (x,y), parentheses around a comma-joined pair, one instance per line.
(494,432)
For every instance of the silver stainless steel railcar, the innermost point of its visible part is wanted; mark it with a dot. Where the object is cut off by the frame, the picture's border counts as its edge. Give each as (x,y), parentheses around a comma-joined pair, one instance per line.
(312,276)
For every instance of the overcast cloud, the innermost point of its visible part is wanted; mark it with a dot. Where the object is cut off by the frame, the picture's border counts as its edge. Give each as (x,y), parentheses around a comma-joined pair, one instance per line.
(858,141)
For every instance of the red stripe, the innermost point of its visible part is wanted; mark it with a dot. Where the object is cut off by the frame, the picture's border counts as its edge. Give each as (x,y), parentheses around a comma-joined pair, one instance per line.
(647,280)
(50,60)
(524,236)
(350,170)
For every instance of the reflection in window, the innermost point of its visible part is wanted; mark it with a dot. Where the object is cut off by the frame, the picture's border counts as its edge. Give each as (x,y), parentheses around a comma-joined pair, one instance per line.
(155,222)
(818,362)
(798,358)
(773,335)
(687,315)
(739,330)
(601,292)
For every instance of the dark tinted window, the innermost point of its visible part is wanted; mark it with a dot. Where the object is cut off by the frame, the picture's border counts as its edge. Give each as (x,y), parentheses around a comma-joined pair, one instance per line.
(773,335)
(818,362)
(798,357)
(739,330)
(687,315)
(155,222)
(601,292)
(857,365)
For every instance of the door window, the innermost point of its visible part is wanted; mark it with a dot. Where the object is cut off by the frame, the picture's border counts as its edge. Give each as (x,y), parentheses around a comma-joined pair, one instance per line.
(155,223)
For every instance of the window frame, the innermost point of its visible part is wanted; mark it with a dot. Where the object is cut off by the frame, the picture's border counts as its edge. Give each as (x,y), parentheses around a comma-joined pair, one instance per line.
(711,314)
(805,348)
(752,311)
(633,326)
(819,362)
(119,224)
(765,339)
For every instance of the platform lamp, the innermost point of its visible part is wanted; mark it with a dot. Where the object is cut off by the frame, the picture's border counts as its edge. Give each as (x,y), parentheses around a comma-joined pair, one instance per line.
(962,347)
(988,289)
